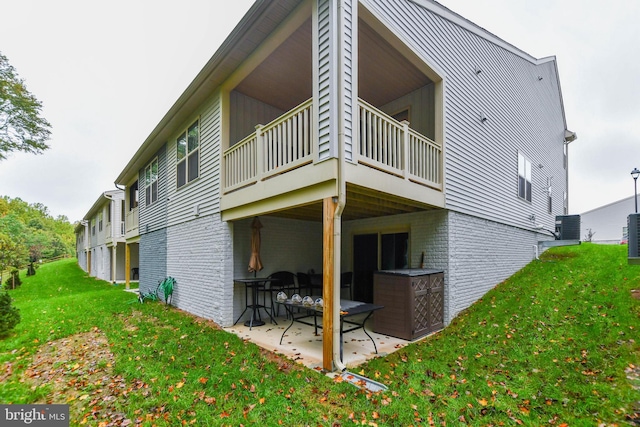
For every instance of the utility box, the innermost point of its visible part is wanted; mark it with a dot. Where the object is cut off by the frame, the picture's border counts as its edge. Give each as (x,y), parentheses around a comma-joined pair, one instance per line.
(413,301)
(568,227)
(633,229)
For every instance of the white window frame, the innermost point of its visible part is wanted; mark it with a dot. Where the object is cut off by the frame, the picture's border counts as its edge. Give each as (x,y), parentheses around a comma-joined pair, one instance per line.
(188,152)
(524,178)
(151,182)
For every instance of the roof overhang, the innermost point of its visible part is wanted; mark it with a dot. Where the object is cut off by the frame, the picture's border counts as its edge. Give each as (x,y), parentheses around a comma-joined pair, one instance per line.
(102,199)
(261,19)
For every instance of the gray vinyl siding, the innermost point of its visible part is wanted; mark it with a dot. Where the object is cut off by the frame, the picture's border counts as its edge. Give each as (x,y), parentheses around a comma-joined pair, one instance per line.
(349,50)
(524,115)
(246,113)
(200,197)
(422,100)
(326,78)
(153,259)
(154,216)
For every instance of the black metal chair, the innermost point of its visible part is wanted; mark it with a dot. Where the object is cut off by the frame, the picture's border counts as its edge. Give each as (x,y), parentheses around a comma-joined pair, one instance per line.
(346,280)
(283,281)
(307,286)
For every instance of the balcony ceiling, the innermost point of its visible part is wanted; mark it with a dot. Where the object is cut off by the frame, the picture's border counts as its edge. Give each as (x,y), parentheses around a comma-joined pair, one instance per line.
(361,203)
(284,79)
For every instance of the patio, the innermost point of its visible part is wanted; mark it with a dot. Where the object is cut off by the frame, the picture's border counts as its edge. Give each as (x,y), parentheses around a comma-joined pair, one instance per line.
(302,346)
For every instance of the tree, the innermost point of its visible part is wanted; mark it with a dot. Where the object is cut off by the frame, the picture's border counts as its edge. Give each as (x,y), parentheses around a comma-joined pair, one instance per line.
(9,315)
(21,126)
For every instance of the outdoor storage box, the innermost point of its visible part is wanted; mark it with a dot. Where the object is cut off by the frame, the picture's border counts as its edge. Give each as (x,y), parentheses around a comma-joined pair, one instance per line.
(413,301)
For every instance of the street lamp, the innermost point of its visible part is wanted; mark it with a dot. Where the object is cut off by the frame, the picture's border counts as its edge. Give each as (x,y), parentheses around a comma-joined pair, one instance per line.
(634,174)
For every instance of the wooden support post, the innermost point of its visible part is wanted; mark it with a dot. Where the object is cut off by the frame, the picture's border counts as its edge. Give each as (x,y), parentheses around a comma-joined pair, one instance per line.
(328,210)
(127,265)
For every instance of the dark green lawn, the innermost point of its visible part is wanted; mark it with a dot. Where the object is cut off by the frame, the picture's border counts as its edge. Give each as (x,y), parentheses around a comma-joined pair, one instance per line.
(553,345)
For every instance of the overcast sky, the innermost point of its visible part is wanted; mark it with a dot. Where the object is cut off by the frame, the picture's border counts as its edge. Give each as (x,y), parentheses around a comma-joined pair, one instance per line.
(107,72)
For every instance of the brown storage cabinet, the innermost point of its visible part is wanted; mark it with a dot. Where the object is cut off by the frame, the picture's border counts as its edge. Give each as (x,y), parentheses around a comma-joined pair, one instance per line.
(413,301)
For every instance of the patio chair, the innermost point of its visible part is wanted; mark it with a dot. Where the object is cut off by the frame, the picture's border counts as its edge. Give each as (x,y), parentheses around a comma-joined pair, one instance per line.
(285,282)
(346,280)
(307,286)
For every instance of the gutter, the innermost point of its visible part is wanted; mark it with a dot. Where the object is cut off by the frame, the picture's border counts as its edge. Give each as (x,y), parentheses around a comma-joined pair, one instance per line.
(341,202)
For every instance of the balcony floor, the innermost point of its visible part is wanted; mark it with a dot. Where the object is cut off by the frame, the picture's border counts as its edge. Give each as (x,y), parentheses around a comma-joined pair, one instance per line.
(302,346)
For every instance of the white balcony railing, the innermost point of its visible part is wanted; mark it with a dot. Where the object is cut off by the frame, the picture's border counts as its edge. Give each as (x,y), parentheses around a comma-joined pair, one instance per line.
(286,144)
(131,223)
(393,147)
(275,148)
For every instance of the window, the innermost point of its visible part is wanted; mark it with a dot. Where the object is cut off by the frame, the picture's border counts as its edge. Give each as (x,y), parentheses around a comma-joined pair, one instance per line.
(401,115)
(133,196)
(549,199)
(394,251)
(524,178)
(93,227)
(109,212)
(100,221)
(187,146)
(151,182)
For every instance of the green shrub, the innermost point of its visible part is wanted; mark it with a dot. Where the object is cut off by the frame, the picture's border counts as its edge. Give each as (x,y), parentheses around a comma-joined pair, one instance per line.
(14,280)
(9,315)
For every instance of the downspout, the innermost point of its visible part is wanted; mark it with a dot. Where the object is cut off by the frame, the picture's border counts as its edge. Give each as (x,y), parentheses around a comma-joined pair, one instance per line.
(341,202)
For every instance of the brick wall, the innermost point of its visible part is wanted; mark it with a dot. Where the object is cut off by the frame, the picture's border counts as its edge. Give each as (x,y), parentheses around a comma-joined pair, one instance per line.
(475,254)
(482,254)
(153,259)
(199,258)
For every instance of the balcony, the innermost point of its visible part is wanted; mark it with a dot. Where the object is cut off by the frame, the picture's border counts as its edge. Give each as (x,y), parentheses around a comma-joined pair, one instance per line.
(391,158)
(131,224)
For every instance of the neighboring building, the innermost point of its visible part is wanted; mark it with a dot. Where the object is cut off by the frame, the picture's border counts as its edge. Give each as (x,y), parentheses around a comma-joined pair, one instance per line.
(608,223)
(81,230)
(100,243)
(391,130)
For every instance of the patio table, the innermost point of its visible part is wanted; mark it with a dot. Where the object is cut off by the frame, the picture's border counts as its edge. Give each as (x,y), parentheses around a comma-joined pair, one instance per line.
(254,284)
(348,309)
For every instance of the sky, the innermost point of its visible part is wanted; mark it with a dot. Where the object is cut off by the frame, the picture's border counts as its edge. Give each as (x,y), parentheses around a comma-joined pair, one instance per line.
(107,72)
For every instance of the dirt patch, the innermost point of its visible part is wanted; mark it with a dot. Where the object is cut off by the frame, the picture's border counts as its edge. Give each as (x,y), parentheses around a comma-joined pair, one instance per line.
(635,293)
(79,371)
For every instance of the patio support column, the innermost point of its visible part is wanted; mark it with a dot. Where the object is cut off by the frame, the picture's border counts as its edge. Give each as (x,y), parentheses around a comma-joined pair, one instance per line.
(328,210)
(114,252)
(127,265)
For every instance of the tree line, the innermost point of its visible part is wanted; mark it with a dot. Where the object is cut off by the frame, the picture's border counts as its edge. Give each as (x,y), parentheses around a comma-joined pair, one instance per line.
(30,234)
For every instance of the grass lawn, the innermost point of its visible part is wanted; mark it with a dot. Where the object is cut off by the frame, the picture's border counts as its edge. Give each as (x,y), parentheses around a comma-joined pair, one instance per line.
(556,344)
